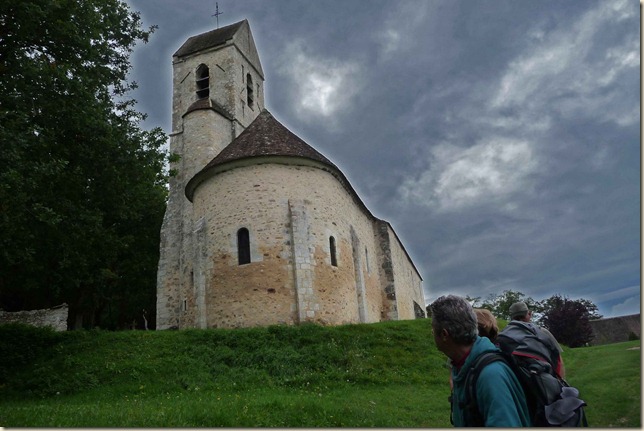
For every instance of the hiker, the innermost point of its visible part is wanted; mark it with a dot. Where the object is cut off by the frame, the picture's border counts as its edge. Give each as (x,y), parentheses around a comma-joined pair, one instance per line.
(535,357)
(520,312)
(500,400)
(488,327)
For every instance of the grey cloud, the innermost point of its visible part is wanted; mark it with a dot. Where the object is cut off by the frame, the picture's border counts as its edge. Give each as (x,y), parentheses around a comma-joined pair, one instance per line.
(427,91)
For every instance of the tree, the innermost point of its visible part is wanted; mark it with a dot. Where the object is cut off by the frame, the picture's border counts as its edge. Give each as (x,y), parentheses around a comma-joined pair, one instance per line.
(499,305)
(474,301)
(568,320)
(82,187)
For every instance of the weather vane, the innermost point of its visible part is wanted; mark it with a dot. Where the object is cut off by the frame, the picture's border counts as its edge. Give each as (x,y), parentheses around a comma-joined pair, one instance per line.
(217,13)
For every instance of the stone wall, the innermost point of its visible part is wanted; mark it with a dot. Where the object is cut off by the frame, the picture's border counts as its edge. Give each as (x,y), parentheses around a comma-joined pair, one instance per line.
(615,329)
(228,65)
(290,212)
(197,138)
(55,317)
(407,281)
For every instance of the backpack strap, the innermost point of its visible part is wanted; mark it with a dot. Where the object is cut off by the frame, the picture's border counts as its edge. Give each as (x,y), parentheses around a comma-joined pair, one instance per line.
(469,406)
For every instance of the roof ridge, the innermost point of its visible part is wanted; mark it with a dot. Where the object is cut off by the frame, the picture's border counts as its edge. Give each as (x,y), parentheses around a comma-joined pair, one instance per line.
(209,39)
(264,137)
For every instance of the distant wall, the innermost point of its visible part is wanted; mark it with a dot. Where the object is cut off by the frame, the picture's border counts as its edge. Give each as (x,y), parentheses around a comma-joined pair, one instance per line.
(615,329)
(55,317)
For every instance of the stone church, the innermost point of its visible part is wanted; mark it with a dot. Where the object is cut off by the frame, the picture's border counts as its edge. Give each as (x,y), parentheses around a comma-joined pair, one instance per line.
(261,228)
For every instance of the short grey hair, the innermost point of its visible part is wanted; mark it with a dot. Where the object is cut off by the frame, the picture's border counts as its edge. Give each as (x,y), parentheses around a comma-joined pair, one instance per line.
(456,315)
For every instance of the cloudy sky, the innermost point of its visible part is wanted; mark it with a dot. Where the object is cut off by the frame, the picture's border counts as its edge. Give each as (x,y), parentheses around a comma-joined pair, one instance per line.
(501,139)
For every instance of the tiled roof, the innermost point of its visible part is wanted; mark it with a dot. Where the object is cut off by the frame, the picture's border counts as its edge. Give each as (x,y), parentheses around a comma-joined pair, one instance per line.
(208,39)
(264,137)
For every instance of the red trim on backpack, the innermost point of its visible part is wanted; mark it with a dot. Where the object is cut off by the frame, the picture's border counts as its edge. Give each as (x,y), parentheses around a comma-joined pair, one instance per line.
(528,355)
(559,366)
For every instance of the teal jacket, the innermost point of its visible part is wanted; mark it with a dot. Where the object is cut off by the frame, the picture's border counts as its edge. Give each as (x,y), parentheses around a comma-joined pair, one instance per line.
(499,395)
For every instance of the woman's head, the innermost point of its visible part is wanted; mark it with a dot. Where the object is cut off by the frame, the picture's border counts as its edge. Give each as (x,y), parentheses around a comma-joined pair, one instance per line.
(487,324)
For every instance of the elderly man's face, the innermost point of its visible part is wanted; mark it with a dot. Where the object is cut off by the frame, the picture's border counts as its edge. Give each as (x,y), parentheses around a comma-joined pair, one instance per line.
(439,337)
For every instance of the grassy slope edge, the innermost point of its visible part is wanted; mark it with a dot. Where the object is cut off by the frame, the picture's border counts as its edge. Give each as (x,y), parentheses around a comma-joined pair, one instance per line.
(377,375)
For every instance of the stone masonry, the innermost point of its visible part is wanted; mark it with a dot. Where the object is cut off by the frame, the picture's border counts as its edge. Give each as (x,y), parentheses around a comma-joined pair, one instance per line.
(55,317)
(615,329)
(317,254)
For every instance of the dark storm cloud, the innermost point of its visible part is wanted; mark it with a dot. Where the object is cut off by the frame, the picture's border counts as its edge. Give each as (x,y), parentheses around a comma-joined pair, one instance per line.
(500,139)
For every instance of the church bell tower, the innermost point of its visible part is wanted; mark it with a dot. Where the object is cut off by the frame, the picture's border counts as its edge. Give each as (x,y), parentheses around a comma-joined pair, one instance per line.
(218,90)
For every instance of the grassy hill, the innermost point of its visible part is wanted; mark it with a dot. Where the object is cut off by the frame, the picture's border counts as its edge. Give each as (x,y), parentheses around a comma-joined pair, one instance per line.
(379,375)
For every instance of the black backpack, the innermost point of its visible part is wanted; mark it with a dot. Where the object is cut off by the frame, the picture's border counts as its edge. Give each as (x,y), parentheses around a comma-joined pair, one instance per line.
(532,356)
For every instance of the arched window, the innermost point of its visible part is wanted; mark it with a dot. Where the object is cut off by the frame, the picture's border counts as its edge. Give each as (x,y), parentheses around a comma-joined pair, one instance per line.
(250,96)
(243,246)
(203,82)
(334,260)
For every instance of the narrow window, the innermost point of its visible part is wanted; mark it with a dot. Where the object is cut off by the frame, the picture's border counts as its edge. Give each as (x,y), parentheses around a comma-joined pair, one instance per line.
(334,260)
(243,246)
(250,96)
(203,82)
(366,257)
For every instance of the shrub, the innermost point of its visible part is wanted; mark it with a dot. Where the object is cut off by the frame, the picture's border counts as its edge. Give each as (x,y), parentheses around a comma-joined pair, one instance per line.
(568,320)
(21,344)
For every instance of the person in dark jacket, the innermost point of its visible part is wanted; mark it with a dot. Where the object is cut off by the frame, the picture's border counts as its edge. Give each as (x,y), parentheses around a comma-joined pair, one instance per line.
(520,312)
(500,399)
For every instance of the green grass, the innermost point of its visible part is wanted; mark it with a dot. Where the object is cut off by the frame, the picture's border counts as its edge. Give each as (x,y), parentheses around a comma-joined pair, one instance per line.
(380,375)
(609,379)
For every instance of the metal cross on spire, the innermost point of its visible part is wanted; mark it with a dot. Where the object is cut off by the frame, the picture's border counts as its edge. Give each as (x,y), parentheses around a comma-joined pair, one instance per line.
(217,13)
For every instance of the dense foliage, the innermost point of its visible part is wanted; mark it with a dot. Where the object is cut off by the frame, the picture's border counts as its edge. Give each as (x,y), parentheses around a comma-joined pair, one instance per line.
(82,187)
(568,320)
(500,304)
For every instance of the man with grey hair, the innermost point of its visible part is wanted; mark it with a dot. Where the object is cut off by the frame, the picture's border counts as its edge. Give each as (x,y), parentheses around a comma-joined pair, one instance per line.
(500,400)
